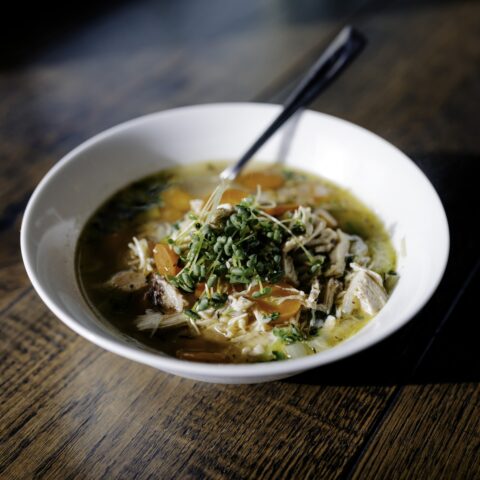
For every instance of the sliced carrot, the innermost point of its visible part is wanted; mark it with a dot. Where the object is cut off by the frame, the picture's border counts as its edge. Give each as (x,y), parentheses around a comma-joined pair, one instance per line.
(199,289)
(233,196)
(281,209)
(175,197)
(280,289)
(166,260)
(266,180)
(287,309)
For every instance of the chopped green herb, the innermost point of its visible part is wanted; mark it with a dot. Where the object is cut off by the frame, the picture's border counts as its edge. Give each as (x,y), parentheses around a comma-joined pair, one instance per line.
(289,335)
(279,355)
(298,228)
(242,247)
(217,300)
(271,317)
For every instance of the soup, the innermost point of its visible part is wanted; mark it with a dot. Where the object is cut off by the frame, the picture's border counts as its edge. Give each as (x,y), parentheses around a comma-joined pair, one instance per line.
(276,265)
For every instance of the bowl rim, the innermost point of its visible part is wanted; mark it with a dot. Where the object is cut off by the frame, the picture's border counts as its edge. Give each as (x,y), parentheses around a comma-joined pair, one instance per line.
(211,370)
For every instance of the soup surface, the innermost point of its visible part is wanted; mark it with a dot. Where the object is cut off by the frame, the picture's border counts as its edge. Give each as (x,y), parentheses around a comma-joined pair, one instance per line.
(277,265)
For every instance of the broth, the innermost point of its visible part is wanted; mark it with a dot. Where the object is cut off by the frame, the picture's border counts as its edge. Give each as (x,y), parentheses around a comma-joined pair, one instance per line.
(103,251)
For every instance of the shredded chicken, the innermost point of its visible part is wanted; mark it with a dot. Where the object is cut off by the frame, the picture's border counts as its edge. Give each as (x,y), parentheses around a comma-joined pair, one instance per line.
(338,254)
(239,304)
(159,321)
(359,250)
(327,216)
(365,287)
(326,241)
(313,225)
(289,269)
(166,295)
(331,290)
(232,319)
(128,281)
(141,259)
(154,320)
(314,294)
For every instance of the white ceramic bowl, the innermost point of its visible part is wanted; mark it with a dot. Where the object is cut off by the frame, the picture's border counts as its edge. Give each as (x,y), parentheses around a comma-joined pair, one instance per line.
(382,176)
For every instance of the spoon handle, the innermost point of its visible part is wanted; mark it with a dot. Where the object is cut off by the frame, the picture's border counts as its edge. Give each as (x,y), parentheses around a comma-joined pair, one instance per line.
(341,51)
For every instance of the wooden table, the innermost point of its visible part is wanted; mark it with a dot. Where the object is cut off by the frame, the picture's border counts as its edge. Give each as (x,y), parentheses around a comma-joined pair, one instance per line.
(407,408)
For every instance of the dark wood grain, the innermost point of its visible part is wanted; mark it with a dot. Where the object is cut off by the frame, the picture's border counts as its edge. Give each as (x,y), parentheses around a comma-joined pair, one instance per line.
(405,408)
(115,417)
(433,429)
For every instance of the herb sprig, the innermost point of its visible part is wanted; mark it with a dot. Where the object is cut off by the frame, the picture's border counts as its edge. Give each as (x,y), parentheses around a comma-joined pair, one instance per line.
(241,247)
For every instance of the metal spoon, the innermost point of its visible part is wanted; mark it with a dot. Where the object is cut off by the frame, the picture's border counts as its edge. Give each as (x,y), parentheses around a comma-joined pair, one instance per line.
(341,51)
